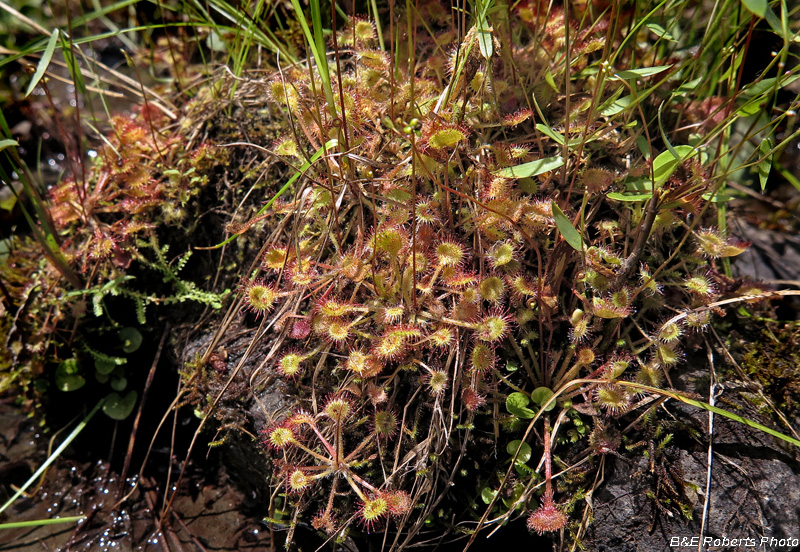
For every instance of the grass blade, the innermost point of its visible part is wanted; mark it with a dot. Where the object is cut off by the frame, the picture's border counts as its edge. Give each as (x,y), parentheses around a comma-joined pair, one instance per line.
(44,62)
(40,522)
(766,163)
(56,453)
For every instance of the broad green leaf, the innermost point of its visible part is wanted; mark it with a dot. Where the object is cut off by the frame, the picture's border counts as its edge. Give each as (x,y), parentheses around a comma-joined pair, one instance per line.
(660,32)
(533,168)
(524,450)
(118,407)
(517,404)
(44,62)
(775,23)
(766,164)
(131,339)
(618,106)
(568,232)
(631,197)
(755,95)
(557,136)
(7,203)
(638,184)
(8,144)
(516,492)
(640,73)
(487,494)
(688,87)
(758,7)
(485,37)
(665,163)
(541,395)
(757,89)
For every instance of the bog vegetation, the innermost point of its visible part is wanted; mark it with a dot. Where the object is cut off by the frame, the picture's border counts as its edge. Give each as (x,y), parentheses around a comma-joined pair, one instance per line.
(475,239)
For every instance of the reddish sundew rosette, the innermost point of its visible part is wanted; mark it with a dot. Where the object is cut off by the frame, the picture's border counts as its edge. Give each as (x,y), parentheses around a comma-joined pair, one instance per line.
(493,327)
(546,519)
(396,341)
(472,400)
(436,381)
(373,511)
(324,521)
(290,364)
(362,364)
(300,329)
(482,358)
(384,424)
(449,253)
(612,398)
(338,408)
(297,480)
(279,437)
(259,297)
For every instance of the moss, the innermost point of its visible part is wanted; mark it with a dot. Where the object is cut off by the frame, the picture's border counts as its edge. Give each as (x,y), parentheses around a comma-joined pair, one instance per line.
(773,362)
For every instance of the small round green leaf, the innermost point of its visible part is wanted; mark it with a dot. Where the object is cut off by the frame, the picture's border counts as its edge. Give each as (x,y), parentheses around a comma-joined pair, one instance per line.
(68,376)
(524,450)
(119,384)
(541,395)
(118,407)
(104,366)
(517,404)
(131,339)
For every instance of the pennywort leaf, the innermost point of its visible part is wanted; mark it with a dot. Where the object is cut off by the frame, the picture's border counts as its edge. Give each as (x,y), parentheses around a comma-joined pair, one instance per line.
(517,405)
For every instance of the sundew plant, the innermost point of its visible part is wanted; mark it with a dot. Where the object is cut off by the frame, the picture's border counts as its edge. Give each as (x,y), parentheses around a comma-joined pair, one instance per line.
(496,230)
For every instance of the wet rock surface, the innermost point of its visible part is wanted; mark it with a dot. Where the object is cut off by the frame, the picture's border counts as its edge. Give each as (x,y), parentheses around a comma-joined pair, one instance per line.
(753,492)
(208,513)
